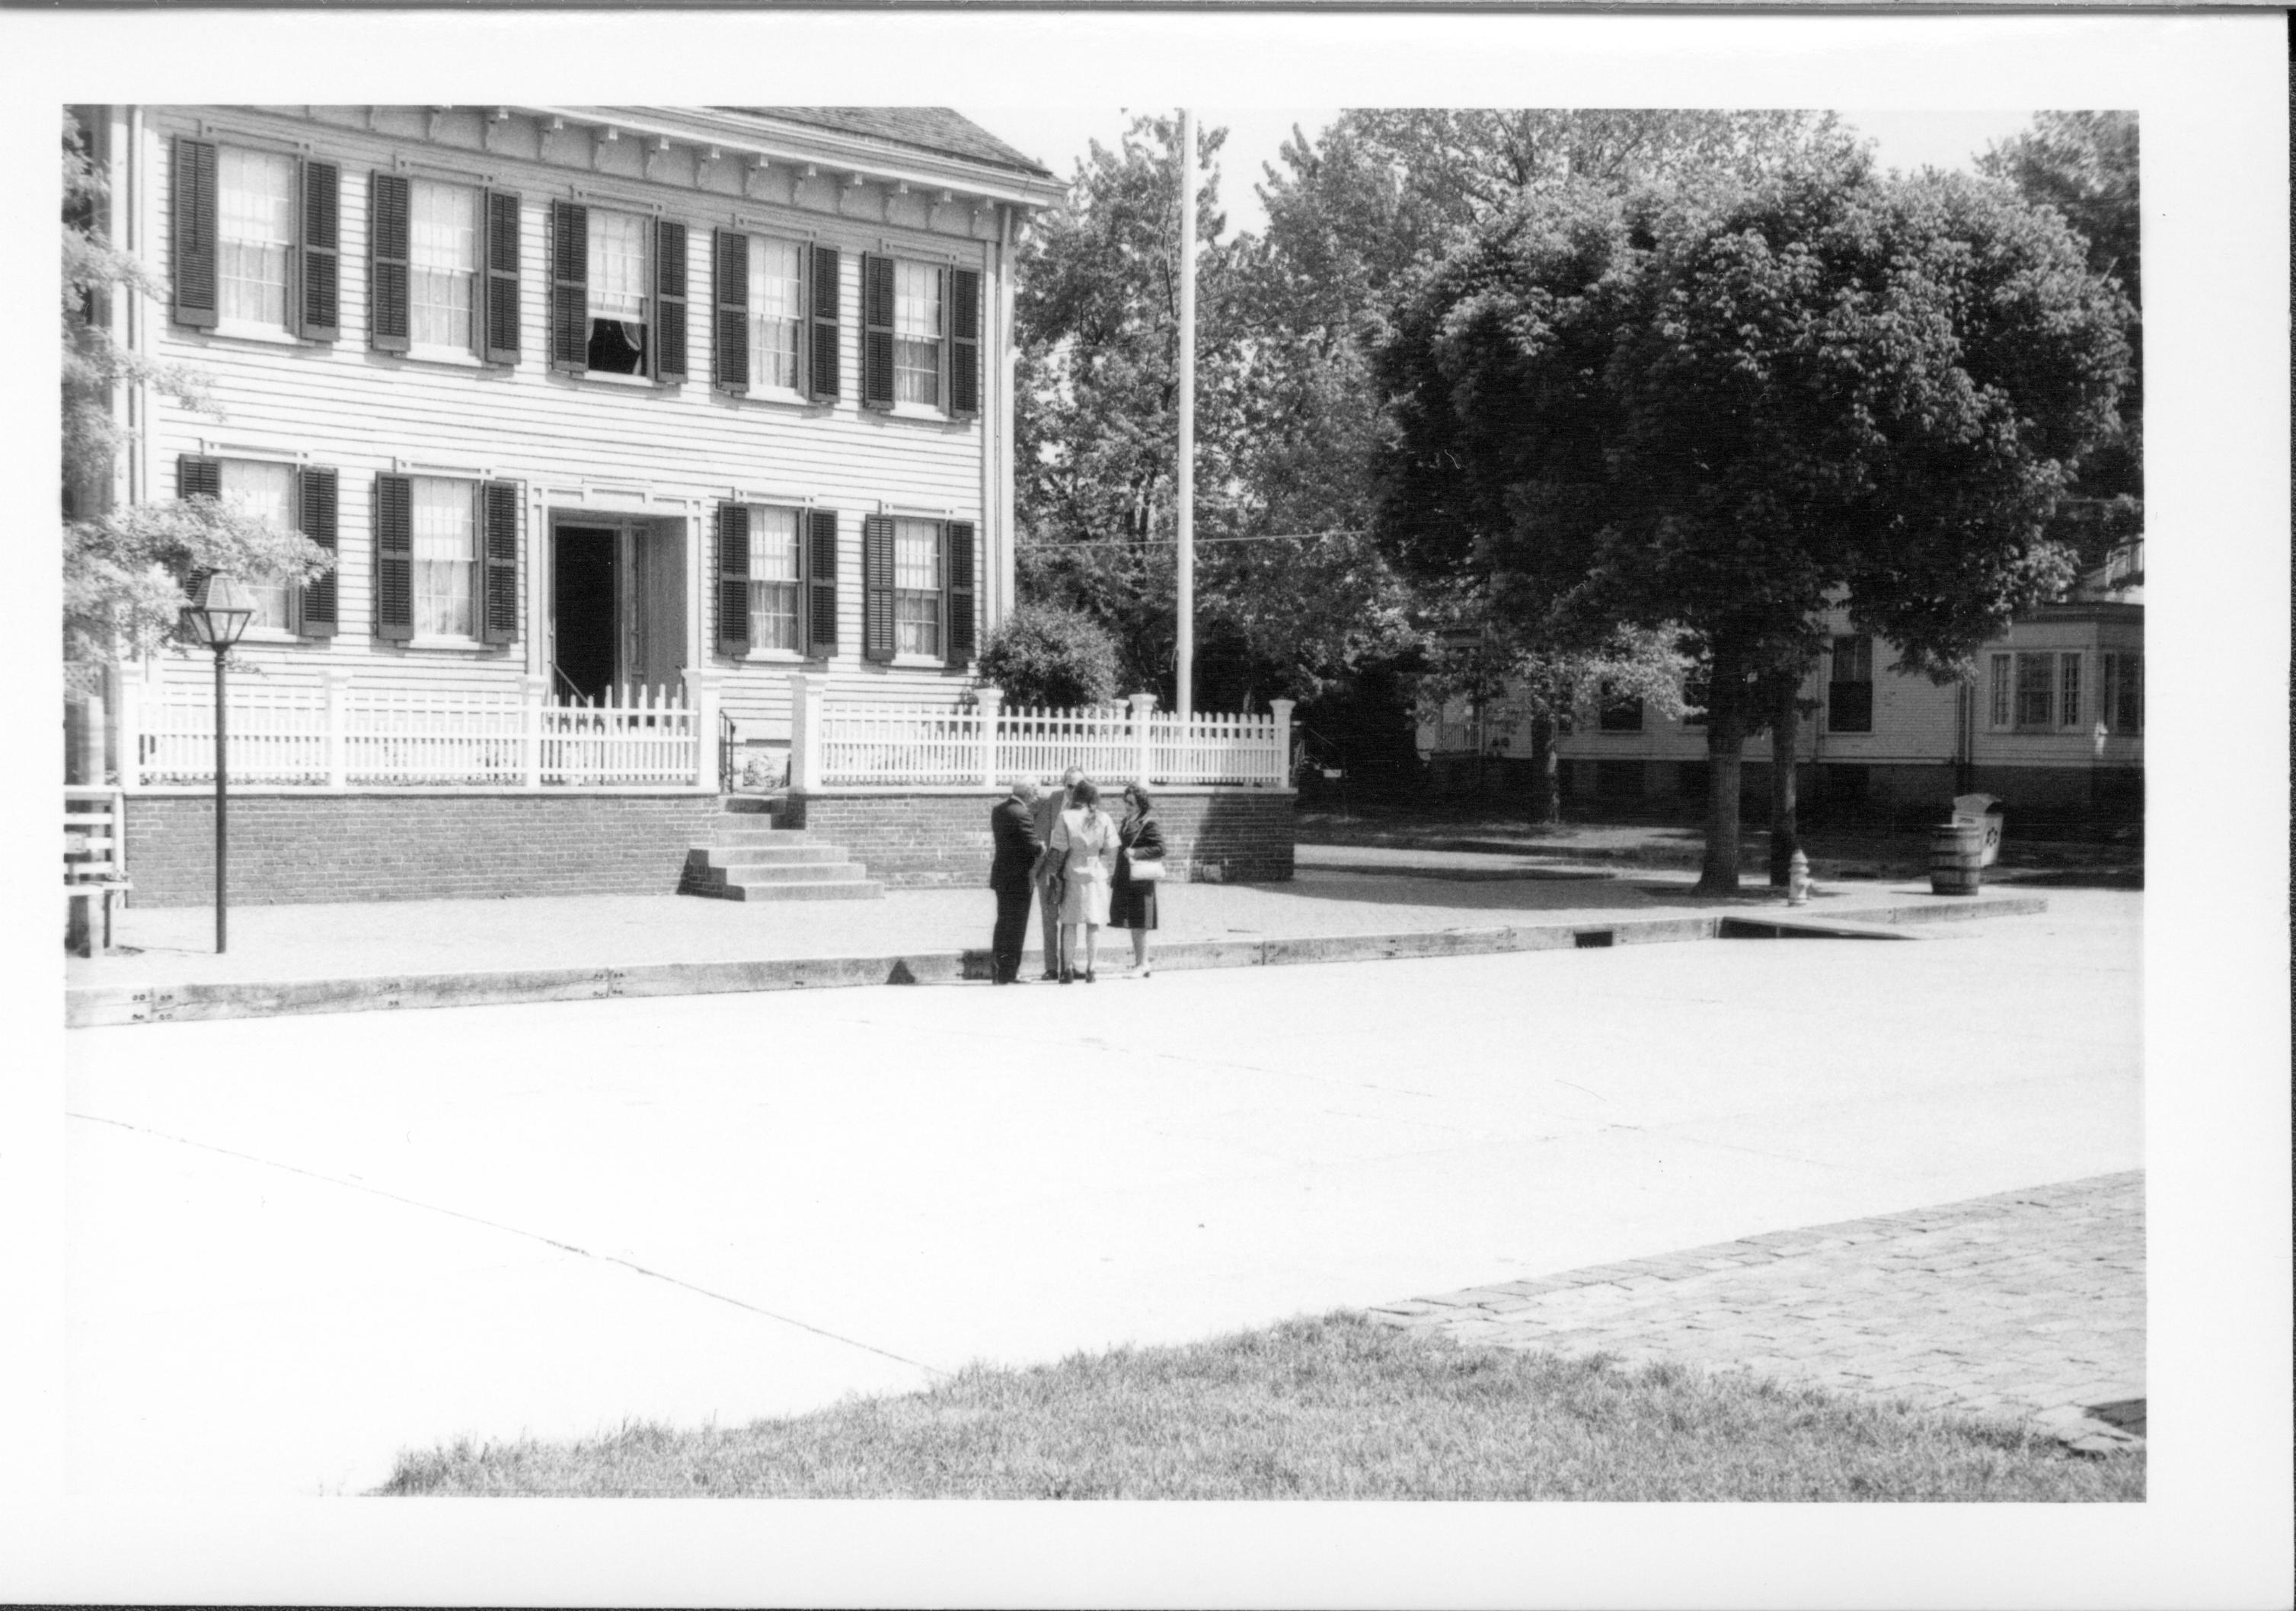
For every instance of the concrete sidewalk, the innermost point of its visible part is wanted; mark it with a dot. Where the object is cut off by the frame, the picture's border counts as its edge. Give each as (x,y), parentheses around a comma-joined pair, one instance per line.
(1346,905)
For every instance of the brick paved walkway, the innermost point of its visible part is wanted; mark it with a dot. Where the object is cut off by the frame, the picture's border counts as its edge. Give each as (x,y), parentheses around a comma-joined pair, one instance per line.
(2028,1304)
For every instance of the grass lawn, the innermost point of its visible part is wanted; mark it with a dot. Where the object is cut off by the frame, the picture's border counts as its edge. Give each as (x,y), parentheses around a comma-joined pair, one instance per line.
(1336,1408)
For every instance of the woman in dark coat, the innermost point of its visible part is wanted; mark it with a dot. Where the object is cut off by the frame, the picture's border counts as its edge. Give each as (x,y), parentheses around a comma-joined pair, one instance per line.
(1132,903)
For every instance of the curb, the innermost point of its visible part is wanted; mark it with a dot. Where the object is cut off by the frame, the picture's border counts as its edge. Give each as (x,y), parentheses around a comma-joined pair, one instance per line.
(90,1006)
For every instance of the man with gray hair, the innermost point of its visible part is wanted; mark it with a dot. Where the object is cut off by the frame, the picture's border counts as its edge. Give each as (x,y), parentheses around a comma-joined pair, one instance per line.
(1048,811)
(1011,874)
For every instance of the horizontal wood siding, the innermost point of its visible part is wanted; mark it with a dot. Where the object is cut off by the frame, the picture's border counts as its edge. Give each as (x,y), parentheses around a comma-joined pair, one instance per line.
(577,446)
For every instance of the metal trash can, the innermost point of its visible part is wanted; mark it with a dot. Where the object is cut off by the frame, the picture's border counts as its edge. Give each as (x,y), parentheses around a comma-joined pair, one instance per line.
(1957,857)
(1982,812)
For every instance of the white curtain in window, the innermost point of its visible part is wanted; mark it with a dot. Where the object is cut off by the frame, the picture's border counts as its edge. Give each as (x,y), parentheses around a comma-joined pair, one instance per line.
(265,492)
(916,332)
(773,578)
(443,264)
(618,266)
(445,557)
(776,304)
(916,587)
(255,231)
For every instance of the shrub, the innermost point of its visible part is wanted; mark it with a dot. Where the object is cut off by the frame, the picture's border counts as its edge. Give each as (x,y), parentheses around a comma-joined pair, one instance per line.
(1050,654)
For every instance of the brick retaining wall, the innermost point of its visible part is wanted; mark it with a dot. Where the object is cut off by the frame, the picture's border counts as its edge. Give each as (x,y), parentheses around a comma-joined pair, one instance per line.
(287,848)
(915,841)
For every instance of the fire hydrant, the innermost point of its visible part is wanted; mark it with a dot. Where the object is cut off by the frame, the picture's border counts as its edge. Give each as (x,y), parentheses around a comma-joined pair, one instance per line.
(1798,880)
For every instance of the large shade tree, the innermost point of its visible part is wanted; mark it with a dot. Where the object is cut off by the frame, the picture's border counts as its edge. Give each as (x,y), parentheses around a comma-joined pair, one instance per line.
(1720,407)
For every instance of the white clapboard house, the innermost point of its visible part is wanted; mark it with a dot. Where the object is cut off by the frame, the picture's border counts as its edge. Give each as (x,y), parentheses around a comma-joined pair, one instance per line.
(661,450)
(2051,724)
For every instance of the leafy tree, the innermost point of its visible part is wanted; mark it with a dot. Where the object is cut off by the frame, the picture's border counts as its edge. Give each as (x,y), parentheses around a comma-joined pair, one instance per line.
(1049,655)
(124,568)
(1719,407)
(1287,594)
(2084,164)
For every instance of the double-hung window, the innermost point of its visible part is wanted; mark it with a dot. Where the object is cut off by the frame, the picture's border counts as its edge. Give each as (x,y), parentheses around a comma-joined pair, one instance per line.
(618,281)
(1850,688)
(265,492)
(442,266)
(1619,714)
(777,313)
(775,575)
(2121,693)
(446,558)
(2069,690)
(255,236)
(916,587)
(917,317)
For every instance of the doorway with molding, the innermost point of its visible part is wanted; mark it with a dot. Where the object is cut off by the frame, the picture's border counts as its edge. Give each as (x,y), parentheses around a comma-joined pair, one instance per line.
(616,606)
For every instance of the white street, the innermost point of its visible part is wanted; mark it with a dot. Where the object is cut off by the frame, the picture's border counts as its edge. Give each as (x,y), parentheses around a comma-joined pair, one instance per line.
(301,1244)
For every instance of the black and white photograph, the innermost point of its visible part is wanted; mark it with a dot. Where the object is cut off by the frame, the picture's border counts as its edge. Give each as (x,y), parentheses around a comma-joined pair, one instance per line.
(1568,633)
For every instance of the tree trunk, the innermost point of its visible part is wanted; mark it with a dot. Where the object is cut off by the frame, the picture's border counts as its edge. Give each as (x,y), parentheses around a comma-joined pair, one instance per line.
(1545,774)
(1785,739)
(1726,744)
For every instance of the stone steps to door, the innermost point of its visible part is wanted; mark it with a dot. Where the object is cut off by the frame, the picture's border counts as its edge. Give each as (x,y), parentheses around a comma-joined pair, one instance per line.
(750,858)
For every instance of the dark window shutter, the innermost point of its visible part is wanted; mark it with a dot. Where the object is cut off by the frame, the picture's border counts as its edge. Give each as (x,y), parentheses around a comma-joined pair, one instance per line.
(394,558)
(821,379)
(877,587)
(314,605)
(965,343)
(669,356)
(321,316)
(192,200)
(501,311)
(390,206)
(821,584)
(729,351)
(733,581)
(962,605)
(876,333)
(569,287)
(498,602)
(197,477)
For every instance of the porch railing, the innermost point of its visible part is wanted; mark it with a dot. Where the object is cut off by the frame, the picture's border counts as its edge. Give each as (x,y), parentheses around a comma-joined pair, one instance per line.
(340,736)
(839,744)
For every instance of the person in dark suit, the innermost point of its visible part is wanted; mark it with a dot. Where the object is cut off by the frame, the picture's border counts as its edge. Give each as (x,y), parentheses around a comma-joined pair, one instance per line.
(1013,875)
(1048,811)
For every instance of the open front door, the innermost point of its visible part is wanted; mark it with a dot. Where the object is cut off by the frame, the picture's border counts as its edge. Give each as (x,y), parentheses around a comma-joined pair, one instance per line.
(618,607)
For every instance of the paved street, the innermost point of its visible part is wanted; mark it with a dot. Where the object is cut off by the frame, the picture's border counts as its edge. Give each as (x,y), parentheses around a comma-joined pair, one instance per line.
(299,1245)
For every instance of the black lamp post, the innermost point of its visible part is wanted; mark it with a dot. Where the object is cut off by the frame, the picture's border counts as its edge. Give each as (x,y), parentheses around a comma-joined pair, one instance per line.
(217,618)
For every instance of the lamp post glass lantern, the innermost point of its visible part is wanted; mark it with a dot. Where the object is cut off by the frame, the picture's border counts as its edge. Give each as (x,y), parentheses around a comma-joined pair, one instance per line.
(215,619)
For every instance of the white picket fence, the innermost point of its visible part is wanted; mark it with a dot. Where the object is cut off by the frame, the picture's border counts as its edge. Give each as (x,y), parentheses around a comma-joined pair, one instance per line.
(839,744)
(344,737)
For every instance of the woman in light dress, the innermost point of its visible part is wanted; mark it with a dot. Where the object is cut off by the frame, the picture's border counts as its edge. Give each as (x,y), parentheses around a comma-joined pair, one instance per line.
(1084,840)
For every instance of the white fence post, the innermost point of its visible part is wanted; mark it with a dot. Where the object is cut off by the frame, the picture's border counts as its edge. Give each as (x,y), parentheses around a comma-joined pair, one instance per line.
(532,691)
(992,699)
(129,738)
(806,689)
(337,760)
(1282,709)
(1144,763)
(702,690)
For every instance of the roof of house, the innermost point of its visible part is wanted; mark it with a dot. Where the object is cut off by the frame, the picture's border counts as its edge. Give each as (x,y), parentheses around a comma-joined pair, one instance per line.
(934,128)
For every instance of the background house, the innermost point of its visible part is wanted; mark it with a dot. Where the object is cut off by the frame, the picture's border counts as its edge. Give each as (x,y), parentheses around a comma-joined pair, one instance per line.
(2053,723)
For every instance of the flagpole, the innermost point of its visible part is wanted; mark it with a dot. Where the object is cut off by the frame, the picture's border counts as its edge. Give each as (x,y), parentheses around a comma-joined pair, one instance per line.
(1184,651)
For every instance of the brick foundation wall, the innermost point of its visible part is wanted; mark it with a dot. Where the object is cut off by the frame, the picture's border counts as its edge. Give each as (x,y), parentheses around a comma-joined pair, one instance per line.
(917,841)
(287,848)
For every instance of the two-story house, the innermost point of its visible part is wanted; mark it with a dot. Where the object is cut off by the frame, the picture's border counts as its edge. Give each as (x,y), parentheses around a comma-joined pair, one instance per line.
(2052,723)
(592,405)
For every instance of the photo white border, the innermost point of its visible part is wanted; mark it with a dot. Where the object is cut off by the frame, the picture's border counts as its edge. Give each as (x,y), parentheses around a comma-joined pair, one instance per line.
(2208,88)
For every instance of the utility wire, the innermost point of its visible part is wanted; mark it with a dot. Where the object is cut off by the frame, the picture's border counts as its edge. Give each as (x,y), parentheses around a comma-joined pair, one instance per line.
(1127,542)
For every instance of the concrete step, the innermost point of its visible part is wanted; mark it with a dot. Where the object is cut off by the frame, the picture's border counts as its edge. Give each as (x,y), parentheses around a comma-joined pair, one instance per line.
(794,872)
(762,834)
(821,889)
(764,855)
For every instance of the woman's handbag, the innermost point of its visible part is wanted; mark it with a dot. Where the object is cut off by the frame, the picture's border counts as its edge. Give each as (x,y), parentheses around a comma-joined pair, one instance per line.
(1145,872)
